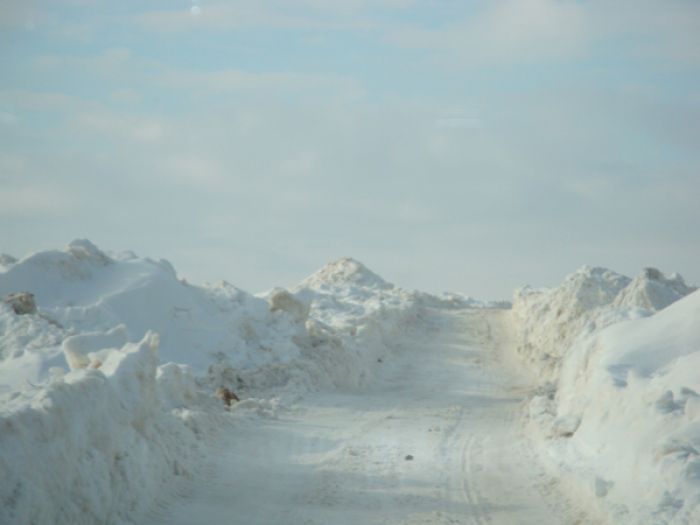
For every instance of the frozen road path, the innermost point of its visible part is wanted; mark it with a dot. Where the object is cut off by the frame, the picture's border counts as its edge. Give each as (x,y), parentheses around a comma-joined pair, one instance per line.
(446,399)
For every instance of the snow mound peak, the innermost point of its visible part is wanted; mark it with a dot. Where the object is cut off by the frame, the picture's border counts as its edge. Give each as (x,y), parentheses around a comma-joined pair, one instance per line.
(653,290)
(588,288)
(345,272)
(589,299)
(84,250)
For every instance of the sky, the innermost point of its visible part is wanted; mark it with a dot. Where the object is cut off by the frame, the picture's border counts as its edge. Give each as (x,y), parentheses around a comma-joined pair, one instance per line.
(469,146)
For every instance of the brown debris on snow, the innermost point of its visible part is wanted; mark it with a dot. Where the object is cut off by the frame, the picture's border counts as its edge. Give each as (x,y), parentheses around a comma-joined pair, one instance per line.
(21,302)
(226,396)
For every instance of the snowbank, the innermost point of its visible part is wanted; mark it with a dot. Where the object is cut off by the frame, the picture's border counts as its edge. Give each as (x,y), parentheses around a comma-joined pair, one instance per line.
(328,331)
(96,445)
(549,320)
(635,390)
(84,289)
(222,332)
(29,346)
(364,313)
(618,404)
(95,427)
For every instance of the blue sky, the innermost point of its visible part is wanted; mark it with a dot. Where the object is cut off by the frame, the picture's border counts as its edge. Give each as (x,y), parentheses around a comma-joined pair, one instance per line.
(470,146)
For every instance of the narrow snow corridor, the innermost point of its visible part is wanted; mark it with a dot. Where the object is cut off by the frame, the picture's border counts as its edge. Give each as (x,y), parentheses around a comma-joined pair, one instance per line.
(433,441)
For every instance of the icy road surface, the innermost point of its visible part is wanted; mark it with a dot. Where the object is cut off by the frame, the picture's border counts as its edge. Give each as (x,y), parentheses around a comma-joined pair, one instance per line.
(433,441)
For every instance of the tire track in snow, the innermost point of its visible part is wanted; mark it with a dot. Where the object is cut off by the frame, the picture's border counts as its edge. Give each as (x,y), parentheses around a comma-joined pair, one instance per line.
(341,458)
(480,514)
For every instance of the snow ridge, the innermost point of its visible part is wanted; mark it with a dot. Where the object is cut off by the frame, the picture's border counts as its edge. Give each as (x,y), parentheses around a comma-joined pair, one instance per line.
(119,366)
(653,291)
(617,407)
(97,445)
(345,272)
(549,320)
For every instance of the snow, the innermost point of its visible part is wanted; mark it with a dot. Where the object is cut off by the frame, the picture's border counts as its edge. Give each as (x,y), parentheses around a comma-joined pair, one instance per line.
(342,457)
(108,412)
(631,398)
(82,372)
(84,290)
(95,445)
(618,407)
(29,346)
(549,320)
(343,273)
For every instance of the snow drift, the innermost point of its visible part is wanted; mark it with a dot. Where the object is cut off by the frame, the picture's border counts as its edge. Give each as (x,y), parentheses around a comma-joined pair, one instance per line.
(99,444)
(107,386)
(618,403)
(326,332)
(109,364)
(83,289)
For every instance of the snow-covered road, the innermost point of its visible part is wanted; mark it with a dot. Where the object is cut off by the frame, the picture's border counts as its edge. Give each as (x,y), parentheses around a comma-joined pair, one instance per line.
(433,440)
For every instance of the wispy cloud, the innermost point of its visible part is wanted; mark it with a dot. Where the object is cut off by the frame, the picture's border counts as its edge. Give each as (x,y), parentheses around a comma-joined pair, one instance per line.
(503,31)
(120,125)
(110,62)
(275,14)
(542,31)
(35,200)
(474,137)
(27,193)
(260,83)
(38,100)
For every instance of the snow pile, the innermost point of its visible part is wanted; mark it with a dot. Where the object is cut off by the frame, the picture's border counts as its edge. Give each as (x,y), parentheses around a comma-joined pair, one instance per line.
(367,314)
(29,346)
(456,301)
(345,294)
(345,273)
(549,320)
(327,332)
(619,405)
(353,319)
(84,289)
(99,444)
(94,429)
(634,391)
(651,290)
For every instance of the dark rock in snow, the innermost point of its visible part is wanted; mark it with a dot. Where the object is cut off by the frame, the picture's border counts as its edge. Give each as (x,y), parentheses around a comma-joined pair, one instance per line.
(21,302)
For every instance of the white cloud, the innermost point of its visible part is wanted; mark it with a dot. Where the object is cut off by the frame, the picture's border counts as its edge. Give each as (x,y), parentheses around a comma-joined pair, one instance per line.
(112,62)
(22,15)
(300,163)
(536,31)
(237,15)
(28,201)
(667,31)
(259,83)
(120,65)
(26,192)
(7,118)
(38,100)
(289,14)
(505,31)
(125,96)
(236,165)
(124,126)
(192,169)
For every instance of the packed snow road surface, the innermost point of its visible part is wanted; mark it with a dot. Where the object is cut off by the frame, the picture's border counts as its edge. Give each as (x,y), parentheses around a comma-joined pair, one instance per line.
(433,441)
